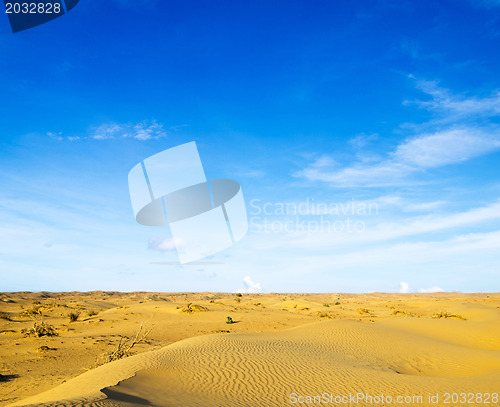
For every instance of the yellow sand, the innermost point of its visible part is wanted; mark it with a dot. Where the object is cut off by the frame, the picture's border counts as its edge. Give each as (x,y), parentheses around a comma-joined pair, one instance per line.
(374,344)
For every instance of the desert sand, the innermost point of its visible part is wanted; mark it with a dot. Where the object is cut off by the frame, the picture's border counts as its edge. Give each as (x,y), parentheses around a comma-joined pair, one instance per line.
(440,349)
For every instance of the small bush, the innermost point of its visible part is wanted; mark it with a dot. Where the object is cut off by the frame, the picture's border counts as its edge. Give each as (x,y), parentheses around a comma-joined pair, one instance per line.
(73,316)
(92,312)
(326,305)
(239,295)
(229,320)
(337,303)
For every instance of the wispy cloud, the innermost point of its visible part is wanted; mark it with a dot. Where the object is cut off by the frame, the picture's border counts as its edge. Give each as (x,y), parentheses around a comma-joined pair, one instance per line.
(455,139)
(412,156)
(145,130)
(445,147)
(382,232)
(453,107)
(59,136)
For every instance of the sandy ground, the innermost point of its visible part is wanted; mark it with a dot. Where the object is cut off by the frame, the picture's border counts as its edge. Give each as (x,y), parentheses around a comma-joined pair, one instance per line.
(281,350)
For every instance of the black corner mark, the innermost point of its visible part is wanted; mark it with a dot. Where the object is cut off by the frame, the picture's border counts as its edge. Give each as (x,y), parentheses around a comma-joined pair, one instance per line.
(25,14)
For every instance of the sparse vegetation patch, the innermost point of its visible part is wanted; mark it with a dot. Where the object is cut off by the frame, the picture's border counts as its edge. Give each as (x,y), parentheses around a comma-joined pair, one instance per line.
(123,349)
(73,316)
(446,314)
(190,308)
(40,329)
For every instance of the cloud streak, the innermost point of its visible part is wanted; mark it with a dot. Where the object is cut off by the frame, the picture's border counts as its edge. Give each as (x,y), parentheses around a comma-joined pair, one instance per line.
(455,139)
(145,130)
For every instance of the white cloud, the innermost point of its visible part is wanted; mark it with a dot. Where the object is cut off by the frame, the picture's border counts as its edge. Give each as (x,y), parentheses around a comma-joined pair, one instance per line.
(166,245)
(434,289)
(423,206)
(455,136)
(145,130)
(411,156)
(455,107)
(250,286)
(411,255)
(383,231)
(404,287)
(445,147)
(57,136)
(362,140)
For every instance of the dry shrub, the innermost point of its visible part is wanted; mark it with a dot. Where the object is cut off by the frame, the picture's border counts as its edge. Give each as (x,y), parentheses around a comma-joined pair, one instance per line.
(123,349)
(399,312)
(40,329)
(51,305)
(33,312)
(44,348)
(190,308)
(73,316)
(446,314)
(363,311)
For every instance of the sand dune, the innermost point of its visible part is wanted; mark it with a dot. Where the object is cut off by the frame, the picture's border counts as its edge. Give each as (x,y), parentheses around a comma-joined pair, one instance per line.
(399,354)
(338,357)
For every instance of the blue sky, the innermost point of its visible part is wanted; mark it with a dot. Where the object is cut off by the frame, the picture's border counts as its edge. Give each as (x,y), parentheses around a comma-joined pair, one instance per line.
(388,105)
